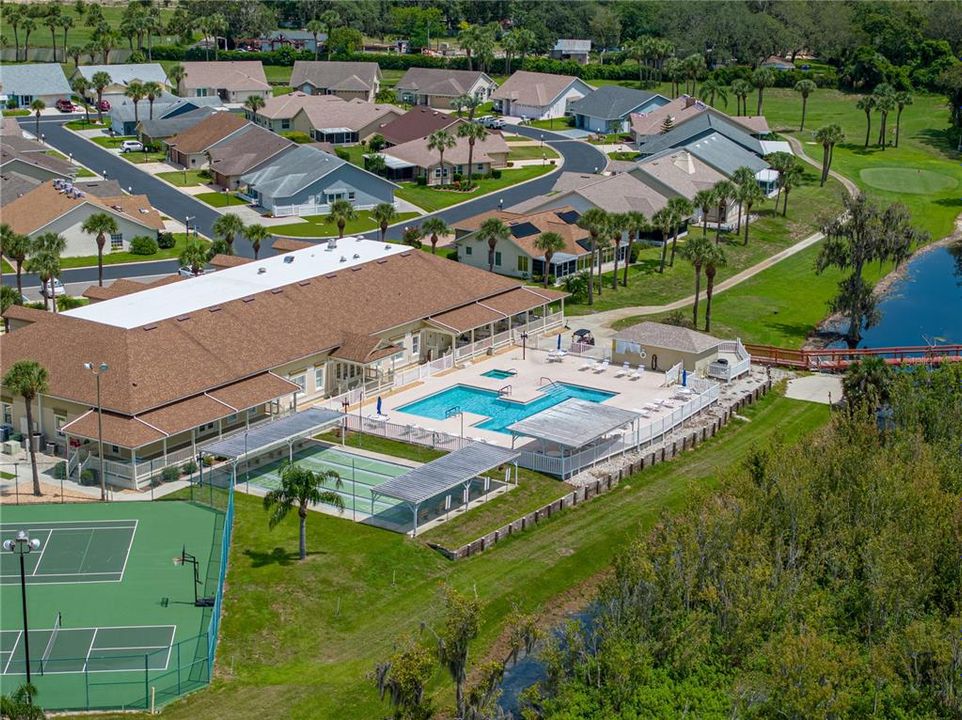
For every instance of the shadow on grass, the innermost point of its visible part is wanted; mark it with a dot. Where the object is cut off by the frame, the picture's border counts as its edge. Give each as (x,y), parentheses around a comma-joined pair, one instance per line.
(941,140)
(277,556)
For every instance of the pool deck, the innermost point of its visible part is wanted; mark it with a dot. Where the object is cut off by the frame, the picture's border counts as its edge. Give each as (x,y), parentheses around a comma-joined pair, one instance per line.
(526,385)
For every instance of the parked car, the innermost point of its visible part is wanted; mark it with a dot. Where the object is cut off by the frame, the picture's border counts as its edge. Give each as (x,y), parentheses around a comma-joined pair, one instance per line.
(131,146)
(496,123)
(583,336)
(64,105)
(186,271)
(104,106)
(484,120)
(58,289)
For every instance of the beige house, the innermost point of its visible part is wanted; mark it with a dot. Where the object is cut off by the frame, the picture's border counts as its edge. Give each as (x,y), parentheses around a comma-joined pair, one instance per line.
(413,159)
(232,81)
(660,347)
(190,147)
(279,113)
(59,207)
(538,96)
(437,87)
(346,80)
(345,123)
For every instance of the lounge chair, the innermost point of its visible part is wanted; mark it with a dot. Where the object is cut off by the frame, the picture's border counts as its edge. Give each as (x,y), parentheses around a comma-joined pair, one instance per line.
(600,367)
(623,370)
(587,365)
(556,356)
(651,406)
(637,373)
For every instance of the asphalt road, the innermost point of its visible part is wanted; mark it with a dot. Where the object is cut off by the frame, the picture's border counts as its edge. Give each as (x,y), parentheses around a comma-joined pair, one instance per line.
(578,157)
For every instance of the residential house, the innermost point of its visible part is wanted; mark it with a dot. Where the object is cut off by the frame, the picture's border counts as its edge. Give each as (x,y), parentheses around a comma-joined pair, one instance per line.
(233,81)
(698,126)
(160,129)
(194,359)
(653,122)
(538,96)
(418,122)
(297,39)
(437,87)
(305,181)
(242,152)
(279,113)
(29,158)
(756,125)
(124,120)
(25,83)
(346,123)
(774,62)
(727,157)
(413,159)
(57,206)
(346,80)
(189,148)
(609,108)
(682,174)
(14,185)
(569,49)
(120,78)
(519,256)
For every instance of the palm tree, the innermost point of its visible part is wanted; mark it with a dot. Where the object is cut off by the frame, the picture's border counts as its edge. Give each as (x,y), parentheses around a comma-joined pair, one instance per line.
(468,102)
(340,212)
(829,136)
(194,255)
(38,106)
(300,488)
(52,20)
(253,103)
(44,260)
(469,38)
(711,88)
(549,243)
(704,200)
(226,228)
(805,88)
(791,178)
(742,177)
(675,72)
(867,104)
(740,89)
(330,19)
(695,251)
(8,298)
(761,79)
(257,234)
(681,210)
(441,140)
(376,164)
(493,231)
(902,99)
(867,384)
(135,91)
(617,225)
(152,90)
(75,52)
(713,259)
(434,226)
(724,192)
(473,132)
(100,80)
(664,220)
(315,27)
(604,242)
(16,247)
(14,16)
(175,74)
(884,103)
(80,86)
(384,214)
(594,221)
(781,162)
(28,379)
(749,195)
(635,223)
(101,225)
(29,25)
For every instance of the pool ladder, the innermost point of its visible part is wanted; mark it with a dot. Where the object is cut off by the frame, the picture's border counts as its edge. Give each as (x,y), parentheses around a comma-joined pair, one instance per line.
(453,411)
(547,380)
(504,390)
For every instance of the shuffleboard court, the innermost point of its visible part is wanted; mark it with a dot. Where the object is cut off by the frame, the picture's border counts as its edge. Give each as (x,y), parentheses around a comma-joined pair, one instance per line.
(82,551)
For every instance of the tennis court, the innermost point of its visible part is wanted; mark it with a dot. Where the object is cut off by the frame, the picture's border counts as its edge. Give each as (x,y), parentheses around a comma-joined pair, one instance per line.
(71,551)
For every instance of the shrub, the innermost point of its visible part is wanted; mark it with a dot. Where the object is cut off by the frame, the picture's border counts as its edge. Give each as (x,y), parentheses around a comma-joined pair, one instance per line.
(188,468)
(421,180)
(679,318)
(88,477)
(169,474)
(496,174)
(297,136)
(143,245)
(343,154)
(510,163)
(552,279)
(633,256)
(205,174)
(208,460)
(67,302)
(166,240)
(60,470)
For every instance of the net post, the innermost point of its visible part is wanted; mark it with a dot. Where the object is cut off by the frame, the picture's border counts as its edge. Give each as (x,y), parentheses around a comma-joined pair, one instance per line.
(178,667)
(146,682)
(87,685)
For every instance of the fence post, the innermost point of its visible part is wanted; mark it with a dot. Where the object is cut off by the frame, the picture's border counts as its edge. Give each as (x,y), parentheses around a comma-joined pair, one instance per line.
(178,667)
(146,682)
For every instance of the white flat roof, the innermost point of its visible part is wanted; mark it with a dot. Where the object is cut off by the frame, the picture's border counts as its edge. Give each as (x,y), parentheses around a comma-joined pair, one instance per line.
(180,298)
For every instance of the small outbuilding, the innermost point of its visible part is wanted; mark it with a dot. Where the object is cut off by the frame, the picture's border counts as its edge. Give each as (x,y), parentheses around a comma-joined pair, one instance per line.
(659,347)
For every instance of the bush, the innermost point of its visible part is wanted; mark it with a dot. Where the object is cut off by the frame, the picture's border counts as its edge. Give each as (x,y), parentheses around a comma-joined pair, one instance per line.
(552,279)
(208,460)
(297,136)
(60,470)
(188,468)
(205,174)
(170,474)
(496,174)
(67,302)
(88,477)
(633,255)
(679,318)
(343,154)
(143,245)
(166,240)
(421,180)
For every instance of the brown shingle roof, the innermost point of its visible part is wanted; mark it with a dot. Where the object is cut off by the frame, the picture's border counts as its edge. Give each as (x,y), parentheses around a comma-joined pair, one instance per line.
(544,221)
(207,132)
(225,261)
(335,75)
(679,110)
(284,244)
(254,391)
(418,122)
(120,430)
(287,106)
(36,159)
(246,149)
(235,75)
(491,150)
(362,348)
(440,81)
(354,114)
(755,124)
(533,88)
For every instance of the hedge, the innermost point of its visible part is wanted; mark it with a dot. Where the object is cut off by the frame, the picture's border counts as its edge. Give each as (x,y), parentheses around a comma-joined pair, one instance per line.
(143,245)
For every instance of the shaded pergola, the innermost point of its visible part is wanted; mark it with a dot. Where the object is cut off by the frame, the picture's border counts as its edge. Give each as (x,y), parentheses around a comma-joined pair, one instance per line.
(456,469)
(573,425)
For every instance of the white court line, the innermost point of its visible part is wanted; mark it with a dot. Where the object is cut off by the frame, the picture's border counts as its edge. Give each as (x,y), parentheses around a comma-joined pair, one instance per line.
(134,647)
(87,656)
(170,646)
(13,651)
(57,574)
(83,559)
(87,523)
(130,544)
(43,549)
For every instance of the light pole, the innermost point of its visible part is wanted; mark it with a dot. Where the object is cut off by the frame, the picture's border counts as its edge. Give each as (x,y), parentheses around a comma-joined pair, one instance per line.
(524,345)
(345,405)
(542,139)
(22,545)
(97,372)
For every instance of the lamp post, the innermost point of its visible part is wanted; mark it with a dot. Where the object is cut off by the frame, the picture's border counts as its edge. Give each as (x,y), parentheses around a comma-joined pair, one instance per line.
(542,139)
(344,406)
(23,545)
(524,345)
(97,372)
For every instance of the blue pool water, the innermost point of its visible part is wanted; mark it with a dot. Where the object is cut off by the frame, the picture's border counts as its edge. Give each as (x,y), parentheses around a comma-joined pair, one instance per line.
(498,374)
(502,411)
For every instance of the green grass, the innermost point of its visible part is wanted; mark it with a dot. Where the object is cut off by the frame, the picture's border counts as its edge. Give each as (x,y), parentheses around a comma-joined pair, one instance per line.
(907,180)
(622,155)
(219,199)
(112,143)
(6,267)
(80,34)
(281,90)
(138,158)
(532,152)
(16,113)
(330,619)
(84,172)
(317,225)
(562,123)
(177,177)
(431,199)
(769,234)
(278,74)
(118,258)
(82,124)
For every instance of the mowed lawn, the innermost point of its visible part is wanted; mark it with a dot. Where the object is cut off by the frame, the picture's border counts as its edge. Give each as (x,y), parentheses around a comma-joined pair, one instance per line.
(80,34)
(317,226)
(305,636)
(431,199)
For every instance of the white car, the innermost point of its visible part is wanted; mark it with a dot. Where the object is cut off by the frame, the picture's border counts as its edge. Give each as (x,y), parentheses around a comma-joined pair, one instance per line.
(495,123)
(131,146)
(58,289)
(186,271)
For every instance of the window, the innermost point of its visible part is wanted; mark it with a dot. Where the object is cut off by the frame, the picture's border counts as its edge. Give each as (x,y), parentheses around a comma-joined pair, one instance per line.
(285,124)
(350,195)
(416,345)
(319,378)
(331,197)
(301,382)
(480,167)
(116,241)
(522,263)
(497,259)
(468,250)
(201,92)
(6,411)
(59,421)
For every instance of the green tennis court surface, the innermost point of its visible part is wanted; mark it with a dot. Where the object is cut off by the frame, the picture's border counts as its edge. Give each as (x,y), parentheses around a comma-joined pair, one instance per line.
(71,551)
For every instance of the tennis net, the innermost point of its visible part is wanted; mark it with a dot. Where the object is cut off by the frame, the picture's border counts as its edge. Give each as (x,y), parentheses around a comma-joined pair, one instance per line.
(50,643)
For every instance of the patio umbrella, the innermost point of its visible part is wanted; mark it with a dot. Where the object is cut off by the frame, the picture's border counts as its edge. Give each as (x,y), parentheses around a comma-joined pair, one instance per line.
(684,383)
(378,404)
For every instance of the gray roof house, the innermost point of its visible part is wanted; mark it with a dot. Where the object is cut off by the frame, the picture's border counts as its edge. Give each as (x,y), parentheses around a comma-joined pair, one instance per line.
(305,181)
(701,125)
(608,109)
(26,83)
(243,152)
(437,87)
(613,193)
(664,346)
(570,49)
(346,80)
(165,127)
(124,120)
(121,76)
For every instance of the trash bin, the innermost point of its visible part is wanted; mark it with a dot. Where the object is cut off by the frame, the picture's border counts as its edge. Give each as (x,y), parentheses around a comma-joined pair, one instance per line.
(51,449)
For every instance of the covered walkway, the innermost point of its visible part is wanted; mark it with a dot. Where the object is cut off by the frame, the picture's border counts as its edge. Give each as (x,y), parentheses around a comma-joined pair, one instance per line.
(276,433)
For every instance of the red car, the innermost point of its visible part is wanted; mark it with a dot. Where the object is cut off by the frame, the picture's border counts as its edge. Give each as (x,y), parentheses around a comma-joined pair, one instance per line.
(104,106)
(64,105)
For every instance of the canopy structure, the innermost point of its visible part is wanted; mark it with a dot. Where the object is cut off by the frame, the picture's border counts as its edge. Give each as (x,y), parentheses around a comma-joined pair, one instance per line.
(573,423)
(456,469)
(286,430)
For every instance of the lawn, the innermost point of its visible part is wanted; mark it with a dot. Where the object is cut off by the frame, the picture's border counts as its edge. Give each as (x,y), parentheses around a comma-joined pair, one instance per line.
(219,199)
(138,158)
(82,124)
(317,225)
(562,123)
(84,172)
(532,152)
(16,113)
(622,155)
(330,619)
(281,90)
(118,258)
(81,33)
(278,74)
(769,234)
(112,142)
(185,178)
(432,200)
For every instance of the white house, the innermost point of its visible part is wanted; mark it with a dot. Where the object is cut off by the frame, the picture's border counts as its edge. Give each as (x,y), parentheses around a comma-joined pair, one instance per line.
(538,96)
(36,81)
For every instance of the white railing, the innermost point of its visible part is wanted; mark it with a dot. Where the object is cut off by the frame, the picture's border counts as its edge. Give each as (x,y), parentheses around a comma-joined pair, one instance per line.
(311,209)
(673,374)
(728,371)
(405,433)
(72,462)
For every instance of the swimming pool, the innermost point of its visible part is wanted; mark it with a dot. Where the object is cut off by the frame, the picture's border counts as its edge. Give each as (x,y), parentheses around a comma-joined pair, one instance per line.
(502,411)
(499,374)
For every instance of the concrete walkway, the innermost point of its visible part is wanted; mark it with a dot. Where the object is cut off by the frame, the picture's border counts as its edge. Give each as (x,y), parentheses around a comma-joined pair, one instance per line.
(821,388)
(799,149)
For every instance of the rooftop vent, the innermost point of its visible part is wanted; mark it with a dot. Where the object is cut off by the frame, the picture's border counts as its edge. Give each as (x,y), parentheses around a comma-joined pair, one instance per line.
(331,243)
(249,298)
(288,259)
(343,259)
(357,256)
(387,246)
(261,270)
(277,291)
(150,327)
